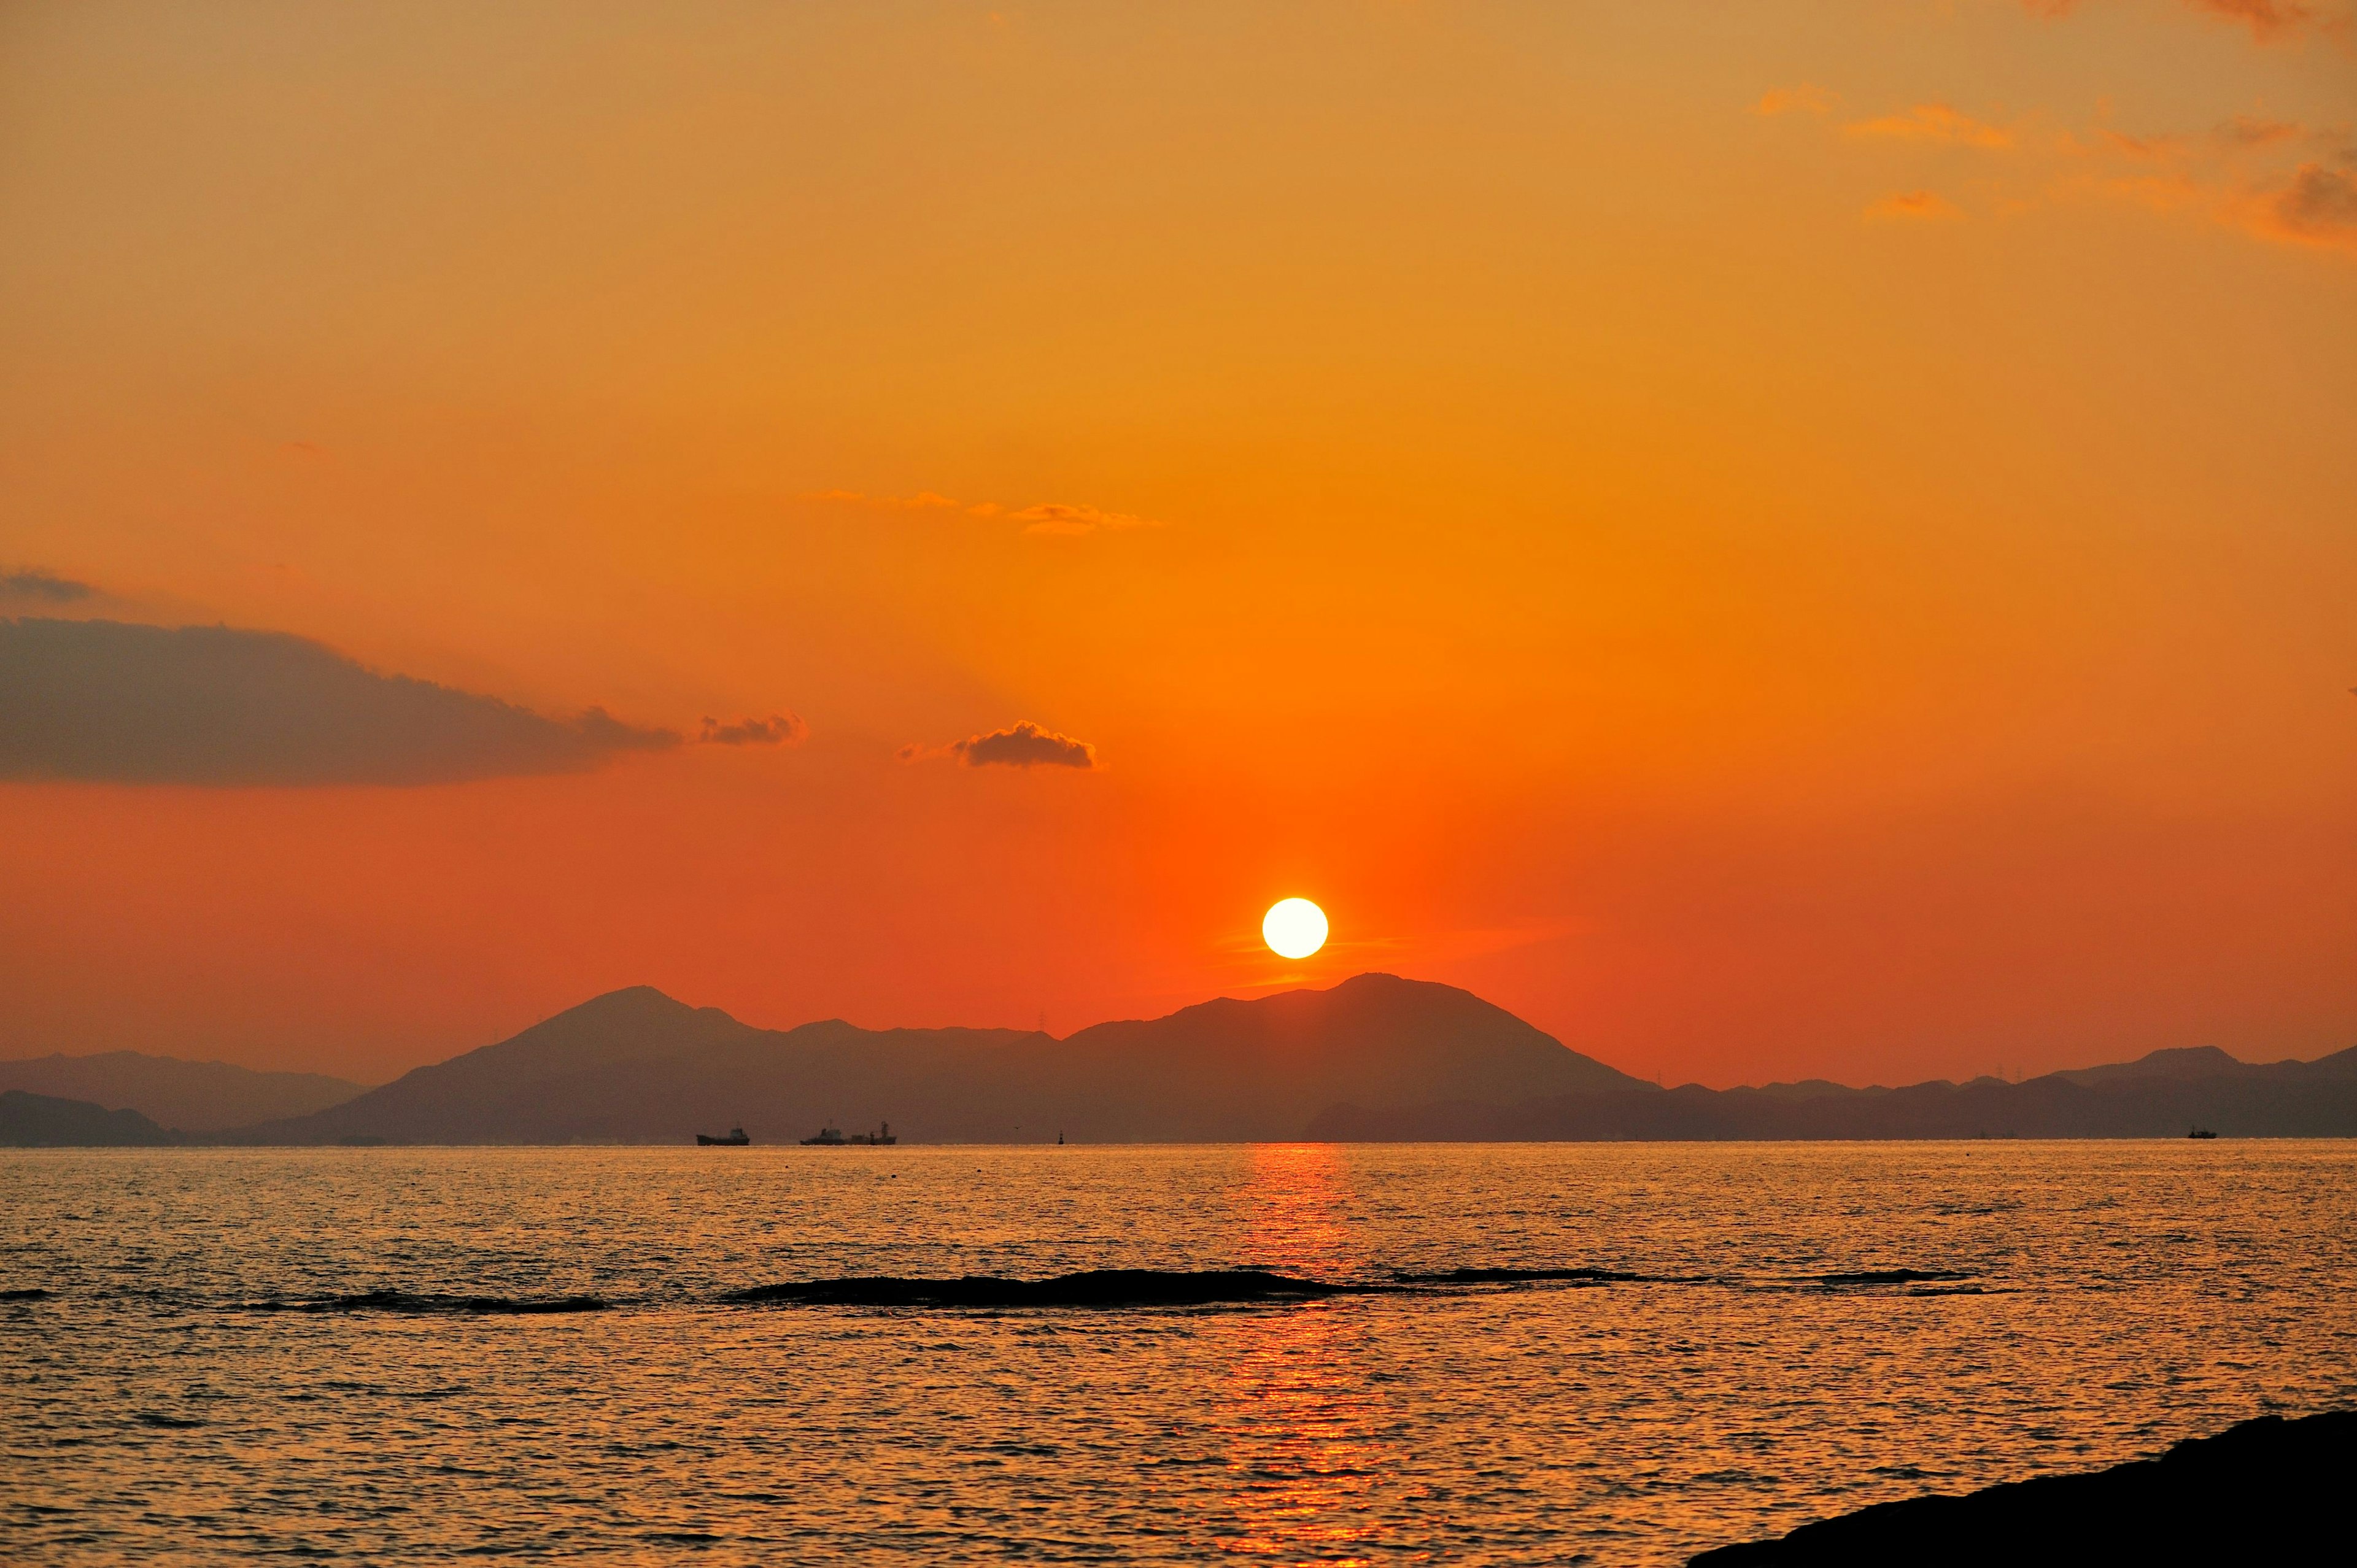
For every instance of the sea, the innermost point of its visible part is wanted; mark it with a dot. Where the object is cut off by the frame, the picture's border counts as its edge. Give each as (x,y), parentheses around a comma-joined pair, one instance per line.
(419,1355)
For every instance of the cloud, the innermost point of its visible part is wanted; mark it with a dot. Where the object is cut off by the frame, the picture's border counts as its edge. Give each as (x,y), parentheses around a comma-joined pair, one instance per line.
(108,701)
(2267,19)
(778,729)
(1075,520)
(2250,130)
(1916,205)
(1934,123)
(1803,99)
(2318,208)
(1022,745)
(1046,518)
(40,582)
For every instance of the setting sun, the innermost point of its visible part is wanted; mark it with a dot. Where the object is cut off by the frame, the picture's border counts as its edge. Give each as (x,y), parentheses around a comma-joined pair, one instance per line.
(1293,927)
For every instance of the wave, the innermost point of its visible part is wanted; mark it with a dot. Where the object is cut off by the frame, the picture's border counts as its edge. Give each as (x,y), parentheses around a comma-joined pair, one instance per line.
(36,1294)
(1093,1288)
(1524,1276)
(405,1302)
(1886,1277)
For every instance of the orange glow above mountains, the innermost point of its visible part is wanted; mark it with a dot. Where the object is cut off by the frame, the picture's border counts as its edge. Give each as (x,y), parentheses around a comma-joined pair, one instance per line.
(1808,543)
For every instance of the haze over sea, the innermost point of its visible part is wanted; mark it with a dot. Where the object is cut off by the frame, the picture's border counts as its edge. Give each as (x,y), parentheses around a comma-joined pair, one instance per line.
(2107,1299)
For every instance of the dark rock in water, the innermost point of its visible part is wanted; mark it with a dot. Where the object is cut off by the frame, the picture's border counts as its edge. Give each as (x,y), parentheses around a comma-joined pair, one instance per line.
(1097,1288)
(44,1121)
(468,1306)
(2266,1491)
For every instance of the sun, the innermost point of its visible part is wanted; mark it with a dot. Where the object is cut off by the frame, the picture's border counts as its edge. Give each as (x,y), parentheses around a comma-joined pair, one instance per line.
(1293,927)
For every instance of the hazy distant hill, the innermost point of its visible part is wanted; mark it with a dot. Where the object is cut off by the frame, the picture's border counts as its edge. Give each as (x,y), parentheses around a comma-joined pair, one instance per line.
(44,1121)
(196,1097)
(637,1067)
(2163,1096)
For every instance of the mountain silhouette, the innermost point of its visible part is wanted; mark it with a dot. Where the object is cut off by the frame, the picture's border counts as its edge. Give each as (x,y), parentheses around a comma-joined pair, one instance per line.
(637,1067)
(2165,1095)
(196,1097)
(30,1121)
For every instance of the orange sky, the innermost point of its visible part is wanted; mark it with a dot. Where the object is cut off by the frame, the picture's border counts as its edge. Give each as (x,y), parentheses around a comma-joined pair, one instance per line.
(1772,541)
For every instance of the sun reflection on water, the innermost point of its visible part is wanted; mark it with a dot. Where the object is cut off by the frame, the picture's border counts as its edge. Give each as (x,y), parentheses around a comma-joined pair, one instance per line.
(1300,1416)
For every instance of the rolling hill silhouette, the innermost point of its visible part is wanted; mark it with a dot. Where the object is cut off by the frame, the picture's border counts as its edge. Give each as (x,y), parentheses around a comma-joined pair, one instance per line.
(195,1097)
(637,1067)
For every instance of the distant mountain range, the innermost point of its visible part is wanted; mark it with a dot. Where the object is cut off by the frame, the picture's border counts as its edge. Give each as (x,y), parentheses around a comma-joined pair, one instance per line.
(196,1097)
(637,1067)
(45,1122)
(1377,1058)
(2282,1099)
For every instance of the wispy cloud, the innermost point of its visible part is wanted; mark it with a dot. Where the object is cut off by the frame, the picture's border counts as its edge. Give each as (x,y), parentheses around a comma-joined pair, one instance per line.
(2268,20)
(1059,518)
(1805,99)
(2252,131)
(2237,178)
(40,585)
(1044,519)
(109,701)
(2319,206)
(2276,180)
(1915,206)
(778,729)
(1934,123)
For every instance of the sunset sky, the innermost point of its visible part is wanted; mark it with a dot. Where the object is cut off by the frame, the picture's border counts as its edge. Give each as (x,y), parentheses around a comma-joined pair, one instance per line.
(1772,540)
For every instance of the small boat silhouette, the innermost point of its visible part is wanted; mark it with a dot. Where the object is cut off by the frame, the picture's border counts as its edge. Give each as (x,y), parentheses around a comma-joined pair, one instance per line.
(2199,1133)
(735,1139)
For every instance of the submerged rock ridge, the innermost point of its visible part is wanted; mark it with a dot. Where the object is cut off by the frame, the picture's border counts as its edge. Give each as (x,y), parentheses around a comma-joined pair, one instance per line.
(1092,1288)
(2268,1490)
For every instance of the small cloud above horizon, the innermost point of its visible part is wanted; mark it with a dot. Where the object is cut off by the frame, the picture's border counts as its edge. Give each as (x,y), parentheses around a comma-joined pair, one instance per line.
(778,729)
(1076,520)
(1043,520)
(1021,745)
(1805,99)
(40,584)
(1934,123)
(2268,20)
(1915,206)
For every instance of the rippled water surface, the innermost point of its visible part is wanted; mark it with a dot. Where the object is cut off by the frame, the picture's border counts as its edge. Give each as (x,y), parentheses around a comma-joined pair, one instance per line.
(2112,1298)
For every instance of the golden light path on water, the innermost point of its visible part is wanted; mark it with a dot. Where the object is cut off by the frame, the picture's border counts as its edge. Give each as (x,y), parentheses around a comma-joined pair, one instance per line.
(2108,1298)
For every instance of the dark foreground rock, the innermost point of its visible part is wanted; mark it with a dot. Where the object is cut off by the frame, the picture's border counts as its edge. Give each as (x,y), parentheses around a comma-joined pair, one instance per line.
(2268,1490)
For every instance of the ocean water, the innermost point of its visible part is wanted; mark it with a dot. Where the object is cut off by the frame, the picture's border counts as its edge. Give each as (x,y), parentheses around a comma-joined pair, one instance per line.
(2101,1300)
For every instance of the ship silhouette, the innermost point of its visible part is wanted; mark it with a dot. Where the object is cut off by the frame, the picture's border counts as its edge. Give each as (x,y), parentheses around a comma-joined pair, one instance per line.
(736,1139)
(830,1136)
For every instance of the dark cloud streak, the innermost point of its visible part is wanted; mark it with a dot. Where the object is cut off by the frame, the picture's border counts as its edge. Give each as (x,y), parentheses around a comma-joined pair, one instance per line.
(108,701)
(39,583)
(778,729)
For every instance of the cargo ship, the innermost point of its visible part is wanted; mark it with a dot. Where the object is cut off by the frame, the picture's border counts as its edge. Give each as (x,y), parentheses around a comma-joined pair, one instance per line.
(736,1140)
(832,1137)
